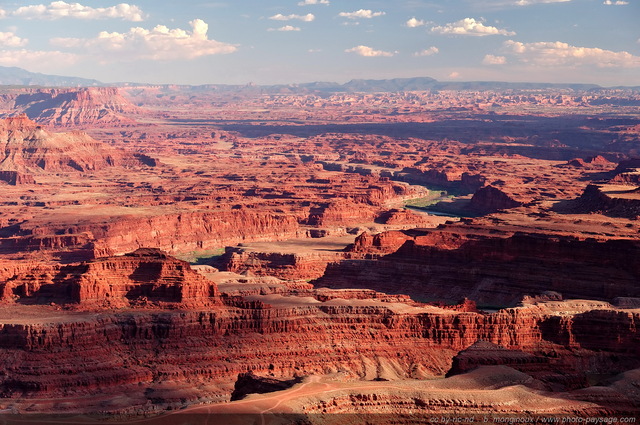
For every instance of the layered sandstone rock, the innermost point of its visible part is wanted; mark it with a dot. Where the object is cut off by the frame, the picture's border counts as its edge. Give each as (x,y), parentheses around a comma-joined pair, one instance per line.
(28,148)
(491,199)
(142,278)
(248,383)
(182,232)
(16,178)
(493,270)
(95,106)
(362,339)
(280,265)
(597,161)
(613,200)
(543,368)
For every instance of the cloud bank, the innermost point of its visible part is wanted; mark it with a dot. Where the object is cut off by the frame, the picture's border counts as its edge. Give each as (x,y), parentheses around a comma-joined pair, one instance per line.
(469,26)
(61,9)
(160,43)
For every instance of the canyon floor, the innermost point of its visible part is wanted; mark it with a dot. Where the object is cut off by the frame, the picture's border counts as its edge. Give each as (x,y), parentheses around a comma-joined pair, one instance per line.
(173,254)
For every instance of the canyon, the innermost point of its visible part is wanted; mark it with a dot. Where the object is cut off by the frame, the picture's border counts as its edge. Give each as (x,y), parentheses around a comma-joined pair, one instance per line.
(168,251)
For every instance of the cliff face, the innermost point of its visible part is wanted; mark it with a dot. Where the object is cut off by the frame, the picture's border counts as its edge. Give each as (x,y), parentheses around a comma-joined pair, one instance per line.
(26,148)
(189,231)
(623,201)
(16,178)
(95,106)
(495,270)
(145,277)
(172,328)
(282,266)
(114,352)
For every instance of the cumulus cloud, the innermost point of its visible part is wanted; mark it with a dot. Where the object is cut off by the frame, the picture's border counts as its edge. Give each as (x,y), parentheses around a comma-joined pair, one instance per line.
(454,75)
(36,60)
(414,23)
(615,3)
(280,17)
(3,13)
(9,39)
(160,43)
(309,2)
(286,28)
(361,14)
(469,26)
(559,54)
(61,9)
(427,52)
(530,2)
(368,51)
(494,60)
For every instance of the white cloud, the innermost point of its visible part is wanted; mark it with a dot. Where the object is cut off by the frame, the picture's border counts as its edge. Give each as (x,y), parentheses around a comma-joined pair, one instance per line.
(559,53)
(454,75)
(309,2)
(9,39)
(427,52)
(615,3)
(61,9)
(280,17)
(160,43)
(469,26)
(285,28)
(414,23)
(494,60)
(368,51)
(38,61)
(530,2)
(3,13)
(362,13)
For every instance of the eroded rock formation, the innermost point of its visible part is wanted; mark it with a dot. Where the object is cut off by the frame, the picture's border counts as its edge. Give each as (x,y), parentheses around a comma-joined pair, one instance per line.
(491,270)
(28,148)
(94,106)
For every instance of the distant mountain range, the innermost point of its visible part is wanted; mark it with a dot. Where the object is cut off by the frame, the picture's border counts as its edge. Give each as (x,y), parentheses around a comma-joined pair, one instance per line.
(13,76)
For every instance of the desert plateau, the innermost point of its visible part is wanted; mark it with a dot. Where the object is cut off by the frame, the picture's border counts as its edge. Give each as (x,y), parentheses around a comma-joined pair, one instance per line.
(335,256)
(177,247)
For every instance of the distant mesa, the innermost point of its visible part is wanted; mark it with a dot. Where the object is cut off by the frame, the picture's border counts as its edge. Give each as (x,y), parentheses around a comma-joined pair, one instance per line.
(585,162)
(627,172)
(93,106)
(490,199)
(27,149)
(614,200)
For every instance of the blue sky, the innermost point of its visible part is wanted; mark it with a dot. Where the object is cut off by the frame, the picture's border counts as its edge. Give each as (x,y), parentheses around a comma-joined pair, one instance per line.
(296,41)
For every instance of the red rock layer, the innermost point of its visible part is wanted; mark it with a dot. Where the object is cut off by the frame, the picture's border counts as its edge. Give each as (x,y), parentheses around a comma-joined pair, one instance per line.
(495,271)
(595,199)
(25,148)
(141,278)
(16,178)
(490,199)
(94,106)
(188,231)
(280,265)
(144,276)
(115,352)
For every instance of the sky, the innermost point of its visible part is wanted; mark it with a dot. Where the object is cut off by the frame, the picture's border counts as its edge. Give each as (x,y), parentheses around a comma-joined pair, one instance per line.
(298,41)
